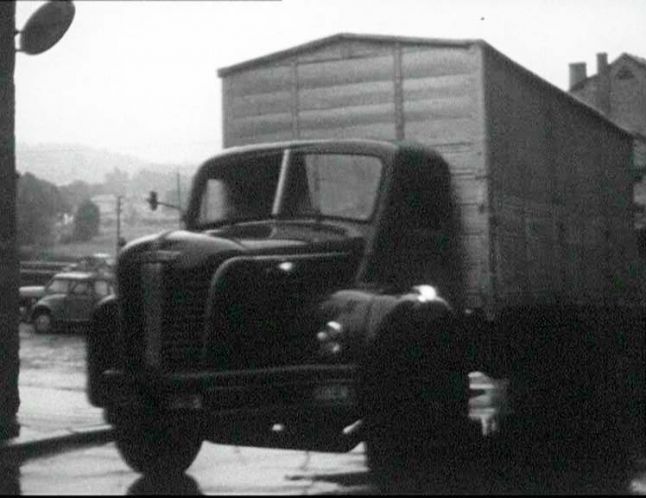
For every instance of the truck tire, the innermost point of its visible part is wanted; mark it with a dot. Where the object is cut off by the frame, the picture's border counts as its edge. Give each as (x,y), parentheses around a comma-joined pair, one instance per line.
(410,449)
(416,406)
(395,451)
(153,444)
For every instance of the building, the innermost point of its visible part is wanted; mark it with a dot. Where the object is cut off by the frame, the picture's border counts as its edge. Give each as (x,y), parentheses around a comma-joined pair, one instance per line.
(618,90)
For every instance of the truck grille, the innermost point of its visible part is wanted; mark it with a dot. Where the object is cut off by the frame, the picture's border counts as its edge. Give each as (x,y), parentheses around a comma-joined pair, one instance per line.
(183,318)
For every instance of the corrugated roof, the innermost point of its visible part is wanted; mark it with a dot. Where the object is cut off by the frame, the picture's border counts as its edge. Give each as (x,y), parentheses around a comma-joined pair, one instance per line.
(435,42)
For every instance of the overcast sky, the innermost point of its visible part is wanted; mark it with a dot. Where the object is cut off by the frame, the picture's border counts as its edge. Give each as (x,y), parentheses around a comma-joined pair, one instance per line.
(140,77)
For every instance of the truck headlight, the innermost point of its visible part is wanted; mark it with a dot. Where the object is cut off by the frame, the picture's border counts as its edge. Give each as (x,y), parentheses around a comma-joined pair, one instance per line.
(426,293)
(330,339)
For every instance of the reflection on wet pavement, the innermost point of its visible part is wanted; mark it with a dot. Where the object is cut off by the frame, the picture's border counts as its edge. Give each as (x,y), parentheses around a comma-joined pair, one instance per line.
(165,485)
(489,402)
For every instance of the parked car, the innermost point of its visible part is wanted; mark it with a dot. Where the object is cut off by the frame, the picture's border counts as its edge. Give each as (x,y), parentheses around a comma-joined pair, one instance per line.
(29,295)
(67,300)
(95,262)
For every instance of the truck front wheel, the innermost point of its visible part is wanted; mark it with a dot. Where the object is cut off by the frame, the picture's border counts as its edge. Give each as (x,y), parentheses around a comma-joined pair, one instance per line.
(415,397)
(154,444)
(416,445)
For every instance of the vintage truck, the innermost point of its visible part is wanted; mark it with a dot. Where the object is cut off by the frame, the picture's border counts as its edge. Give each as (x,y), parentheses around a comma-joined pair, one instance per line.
(313,302)
(466,287)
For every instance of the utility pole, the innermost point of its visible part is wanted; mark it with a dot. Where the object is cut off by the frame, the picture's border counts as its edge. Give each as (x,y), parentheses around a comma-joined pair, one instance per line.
(43,29)
(118,225)
(9,267)
(179,199)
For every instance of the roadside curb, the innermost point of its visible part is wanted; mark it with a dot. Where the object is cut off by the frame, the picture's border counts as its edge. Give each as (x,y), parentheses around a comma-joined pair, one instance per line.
(17,450)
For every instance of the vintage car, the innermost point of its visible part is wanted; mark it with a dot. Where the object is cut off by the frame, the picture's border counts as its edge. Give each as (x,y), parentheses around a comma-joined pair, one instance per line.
(99,262)
(66,301)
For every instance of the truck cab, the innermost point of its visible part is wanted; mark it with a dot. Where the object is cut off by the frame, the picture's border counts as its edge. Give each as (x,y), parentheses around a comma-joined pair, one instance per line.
(307,304)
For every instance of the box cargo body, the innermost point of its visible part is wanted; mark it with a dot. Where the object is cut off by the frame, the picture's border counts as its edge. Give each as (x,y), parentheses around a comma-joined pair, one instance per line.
(541,182)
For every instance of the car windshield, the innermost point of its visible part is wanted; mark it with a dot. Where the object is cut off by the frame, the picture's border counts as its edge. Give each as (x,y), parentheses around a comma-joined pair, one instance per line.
(58,285)
(312,184)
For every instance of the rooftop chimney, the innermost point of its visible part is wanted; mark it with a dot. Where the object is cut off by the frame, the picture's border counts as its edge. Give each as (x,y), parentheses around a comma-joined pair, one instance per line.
(577,73)
(602,100)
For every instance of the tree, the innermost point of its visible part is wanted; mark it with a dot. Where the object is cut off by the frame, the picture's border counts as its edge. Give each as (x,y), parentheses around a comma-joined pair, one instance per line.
(86,220)
(76,192)
(39,204)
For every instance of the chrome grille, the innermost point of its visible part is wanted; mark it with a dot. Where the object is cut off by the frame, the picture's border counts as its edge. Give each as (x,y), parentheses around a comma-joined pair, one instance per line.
(152,285)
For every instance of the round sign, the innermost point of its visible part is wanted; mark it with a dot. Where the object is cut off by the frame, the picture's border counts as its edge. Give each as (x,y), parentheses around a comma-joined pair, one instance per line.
(46,26)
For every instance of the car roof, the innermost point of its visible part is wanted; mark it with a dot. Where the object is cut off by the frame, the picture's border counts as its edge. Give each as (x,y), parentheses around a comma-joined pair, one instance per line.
(77,275)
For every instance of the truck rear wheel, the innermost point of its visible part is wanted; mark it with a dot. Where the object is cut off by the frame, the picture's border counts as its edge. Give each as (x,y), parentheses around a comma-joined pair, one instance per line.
(154,444)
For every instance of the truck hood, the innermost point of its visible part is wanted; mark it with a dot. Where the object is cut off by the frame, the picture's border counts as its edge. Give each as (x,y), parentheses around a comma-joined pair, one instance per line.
(258,313)
(193,249)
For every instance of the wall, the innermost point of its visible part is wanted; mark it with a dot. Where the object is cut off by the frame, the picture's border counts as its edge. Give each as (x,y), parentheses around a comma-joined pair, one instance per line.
(562,194)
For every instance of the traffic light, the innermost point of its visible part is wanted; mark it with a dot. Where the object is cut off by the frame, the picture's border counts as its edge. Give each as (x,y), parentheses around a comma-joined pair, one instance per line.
(152,200)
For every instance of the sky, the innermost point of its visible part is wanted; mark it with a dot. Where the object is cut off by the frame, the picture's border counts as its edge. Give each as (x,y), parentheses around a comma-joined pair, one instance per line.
(140,77)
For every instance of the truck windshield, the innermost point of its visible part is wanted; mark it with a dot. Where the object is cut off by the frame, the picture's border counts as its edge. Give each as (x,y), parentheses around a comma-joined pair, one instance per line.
(313,185)
(332,185)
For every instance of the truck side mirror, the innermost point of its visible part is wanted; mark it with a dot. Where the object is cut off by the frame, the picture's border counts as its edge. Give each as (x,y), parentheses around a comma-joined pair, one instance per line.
(152,200)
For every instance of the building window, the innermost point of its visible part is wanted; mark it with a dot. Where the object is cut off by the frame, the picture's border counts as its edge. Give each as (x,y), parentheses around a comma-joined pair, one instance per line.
(624,74)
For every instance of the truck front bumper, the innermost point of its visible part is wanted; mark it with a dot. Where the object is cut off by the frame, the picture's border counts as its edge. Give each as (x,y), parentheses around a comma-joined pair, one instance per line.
(319,387)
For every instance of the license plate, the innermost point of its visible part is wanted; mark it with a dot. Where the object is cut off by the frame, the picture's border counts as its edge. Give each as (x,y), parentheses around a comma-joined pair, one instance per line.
(334,392)
(185,402)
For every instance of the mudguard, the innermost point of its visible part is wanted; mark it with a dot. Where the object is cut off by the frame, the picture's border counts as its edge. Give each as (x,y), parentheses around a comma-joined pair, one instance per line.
(416,359)
(102,347)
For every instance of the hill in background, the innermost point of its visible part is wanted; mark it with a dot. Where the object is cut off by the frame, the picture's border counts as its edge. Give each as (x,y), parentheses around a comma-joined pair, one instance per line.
(62,164)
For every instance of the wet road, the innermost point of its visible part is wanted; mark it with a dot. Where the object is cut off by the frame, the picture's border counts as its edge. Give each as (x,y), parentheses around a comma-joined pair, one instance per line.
(52,384)
(56,364)
(217,470)
(223,469)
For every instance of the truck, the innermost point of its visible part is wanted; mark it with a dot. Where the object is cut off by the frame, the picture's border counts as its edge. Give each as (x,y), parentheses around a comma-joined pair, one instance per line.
(474,303)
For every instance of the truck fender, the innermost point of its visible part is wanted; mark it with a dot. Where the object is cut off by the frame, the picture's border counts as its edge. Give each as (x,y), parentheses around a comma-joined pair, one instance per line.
(416,323)
(415,356)
(102,347)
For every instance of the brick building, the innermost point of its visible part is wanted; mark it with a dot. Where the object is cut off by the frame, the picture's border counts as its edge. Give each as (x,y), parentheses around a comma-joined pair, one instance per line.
(618,90)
